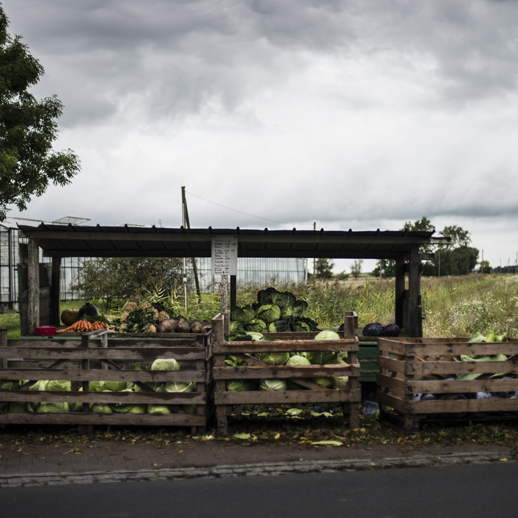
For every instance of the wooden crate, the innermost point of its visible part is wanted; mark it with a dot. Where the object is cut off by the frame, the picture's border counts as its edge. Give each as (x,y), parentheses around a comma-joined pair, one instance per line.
(411,366)
(285,342)
(96,357)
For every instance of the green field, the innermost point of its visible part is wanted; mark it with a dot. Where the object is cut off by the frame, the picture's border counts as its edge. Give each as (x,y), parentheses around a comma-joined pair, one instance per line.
(452,306)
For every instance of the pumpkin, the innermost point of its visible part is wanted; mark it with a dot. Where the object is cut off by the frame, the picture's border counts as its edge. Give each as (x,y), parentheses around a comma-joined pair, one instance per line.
(69,316)
(89,310)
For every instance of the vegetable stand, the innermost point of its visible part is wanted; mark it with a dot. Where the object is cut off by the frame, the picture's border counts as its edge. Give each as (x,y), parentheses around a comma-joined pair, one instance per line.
(95,357)
(302,375)
(420,366)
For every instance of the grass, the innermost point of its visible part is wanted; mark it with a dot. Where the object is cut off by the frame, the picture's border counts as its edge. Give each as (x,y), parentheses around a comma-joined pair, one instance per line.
(452,306)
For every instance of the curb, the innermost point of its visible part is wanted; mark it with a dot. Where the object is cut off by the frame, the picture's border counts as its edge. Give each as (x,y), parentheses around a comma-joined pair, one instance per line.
(247,470)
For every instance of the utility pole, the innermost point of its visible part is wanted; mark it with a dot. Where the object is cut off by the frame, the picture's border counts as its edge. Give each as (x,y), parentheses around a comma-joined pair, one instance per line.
(314,262)
(187,224)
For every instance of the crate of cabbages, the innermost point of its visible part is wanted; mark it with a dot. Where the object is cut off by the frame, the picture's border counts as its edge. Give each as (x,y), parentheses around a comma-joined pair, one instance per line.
(447,379)
(322,368)
(99,380)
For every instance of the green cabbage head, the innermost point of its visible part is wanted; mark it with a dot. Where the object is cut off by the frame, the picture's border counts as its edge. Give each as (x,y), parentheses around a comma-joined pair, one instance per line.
(276,384)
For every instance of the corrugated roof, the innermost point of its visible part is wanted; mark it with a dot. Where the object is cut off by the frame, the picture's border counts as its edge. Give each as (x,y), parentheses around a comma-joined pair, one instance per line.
(97,241)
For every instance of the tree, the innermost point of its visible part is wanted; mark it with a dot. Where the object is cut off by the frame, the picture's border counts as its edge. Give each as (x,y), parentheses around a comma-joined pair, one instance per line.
(324,268)
(128,278)
(356,268)
(28,128)
(485,267)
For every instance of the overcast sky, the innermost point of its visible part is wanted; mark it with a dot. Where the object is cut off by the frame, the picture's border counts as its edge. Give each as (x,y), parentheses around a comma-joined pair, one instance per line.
(348,113)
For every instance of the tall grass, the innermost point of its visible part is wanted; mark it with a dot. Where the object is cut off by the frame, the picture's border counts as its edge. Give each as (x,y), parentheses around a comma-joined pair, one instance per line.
(452,306)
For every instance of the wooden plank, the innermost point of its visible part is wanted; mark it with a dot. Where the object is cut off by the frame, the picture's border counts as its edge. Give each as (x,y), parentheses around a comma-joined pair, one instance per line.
(261,397)
(392,383)
(391,401)
(76,418)
(55,292)
(285,371)
(461,386)
(130,398)
(350,325)
(392,346)
(293,346)
(68,341)
(79,353)
(452,367)
(456,349)
(462,405)
(391,364)
(102,375)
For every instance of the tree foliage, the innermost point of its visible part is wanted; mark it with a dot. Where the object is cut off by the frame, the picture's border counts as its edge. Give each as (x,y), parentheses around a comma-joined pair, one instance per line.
(28,127)
(453,258)
(324,268)
(356,268)
(128,278)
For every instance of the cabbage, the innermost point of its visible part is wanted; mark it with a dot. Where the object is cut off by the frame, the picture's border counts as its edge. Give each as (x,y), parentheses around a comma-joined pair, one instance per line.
(299,308)
(298,360)
(236,328)
(39,385)
(283,300)
(255,337)
(9,385)
(114,386)
(101,408)
(238,385)
(304,324)
(323,382)
(94,386)
(322,357)
(158,409)
(189,409)
(17,406)
(265,296)
(279,326)
(128,408)
(256,325)
(180,386)
(276,384)
(327,334)
(274,358)
(165,365)
(243,315)
(340,382)
(287,312)
(269,313)
(51,407)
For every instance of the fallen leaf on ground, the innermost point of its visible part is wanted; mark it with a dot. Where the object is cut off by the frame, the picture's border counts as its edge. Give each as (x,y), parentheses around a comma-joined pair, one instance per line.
(327,443)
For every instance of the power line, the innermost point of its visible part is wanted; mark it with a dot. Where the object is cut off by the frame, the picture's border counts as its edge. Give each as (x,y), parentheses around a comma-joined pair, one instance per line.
(233,210)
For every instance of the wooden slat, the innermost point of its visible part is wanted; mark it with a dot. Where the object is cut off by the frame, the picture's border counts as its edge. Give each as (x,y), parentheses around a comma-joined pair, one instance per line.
(80,353)
(102,375)
(391,401)
(391,346)
(461,386)
(76,418)
(285,371)
(392,383)
(391,364)
(130,398)
(462,405)
(456,349)
(295,346)
(67,341)
(452,367)
(287,396)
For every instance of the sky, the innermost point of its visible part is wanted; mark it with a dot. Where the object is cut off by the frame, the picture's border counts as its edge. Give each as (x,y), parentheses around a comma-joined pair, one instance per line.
(281,114)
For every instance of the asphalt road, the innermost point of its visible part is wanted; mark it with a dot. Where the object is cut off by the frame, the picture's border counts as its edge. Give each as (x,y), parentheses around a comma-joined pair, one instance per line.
(469,490)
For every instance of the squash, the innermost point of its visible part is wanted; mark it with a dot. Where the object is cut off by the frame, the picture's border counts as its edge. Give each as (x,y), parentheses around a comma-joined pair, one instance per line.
(89,310)
(69,316)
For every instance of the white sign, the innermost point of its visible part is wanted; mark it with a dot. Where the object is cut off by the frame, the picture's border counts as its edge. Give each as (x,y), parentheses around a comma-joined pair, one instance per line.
(224,255)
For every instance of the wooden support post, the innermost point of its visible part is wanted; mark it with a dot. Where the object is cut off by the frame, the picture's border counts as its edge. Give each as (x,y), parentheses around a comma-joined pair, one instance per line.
(233,292)
(414,287)
(85,365)
(3,343)
(33,277)
(350,325)
(55,292)
(224,293)
(400,291)
(218,326)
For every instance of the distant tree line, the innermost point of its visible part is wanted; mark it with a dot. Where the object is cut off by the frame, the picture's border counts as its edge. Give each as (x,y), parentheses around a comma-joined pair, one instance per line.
(453,258)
